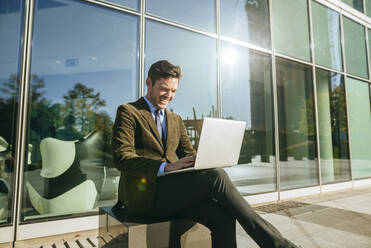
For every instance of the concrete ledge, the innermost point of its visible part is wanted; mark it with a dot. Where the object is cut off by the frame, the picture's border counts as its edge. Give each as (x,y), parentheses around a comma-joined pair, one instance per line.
(116,232)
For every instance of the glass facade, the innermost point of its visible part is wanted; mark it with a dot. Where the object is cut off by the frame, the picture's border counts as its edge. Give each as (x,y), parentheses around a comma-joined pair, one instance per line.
(327,38)
(132,4)
(247,96)
(194,13)
(355,48)
(359,121)
(196,97)
(291,37)
(75,88)
(247,21)
(333,126)
(368,7)
(356,4)
(296,125)
(306,100)
(11,12)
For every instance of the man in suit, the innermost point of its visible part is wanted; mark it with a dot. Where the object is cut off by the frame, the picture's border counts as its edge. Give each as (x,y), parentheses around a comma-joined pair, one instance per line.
(147,141)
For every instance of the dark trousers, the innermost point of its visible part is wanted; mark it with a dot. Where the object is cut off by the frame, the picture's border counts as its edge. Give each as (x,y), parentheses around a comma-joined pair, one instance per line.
(210,198)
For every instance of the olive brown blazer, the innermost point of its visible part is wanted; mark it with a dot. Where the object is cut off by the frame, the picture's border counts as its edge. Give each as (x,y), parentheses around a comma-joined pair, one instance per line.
(138,152)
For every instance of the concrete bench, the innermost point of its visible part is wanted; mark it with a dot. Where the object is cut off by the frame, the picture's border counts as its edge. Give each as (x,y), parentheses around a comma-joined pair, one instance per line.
(117,229)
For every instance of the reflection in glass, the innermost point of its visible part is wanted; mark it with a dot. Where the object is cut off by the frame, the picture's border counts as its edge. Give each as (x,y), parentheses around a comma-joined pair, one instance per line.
(196,96)
(326,29)
(333,127)
(355,48)
(247,96)
(246,20)
(194,13)
(360,126)
(132,4)
(296,123)
(291,32)
(76,86)
(11,13)
(356,4)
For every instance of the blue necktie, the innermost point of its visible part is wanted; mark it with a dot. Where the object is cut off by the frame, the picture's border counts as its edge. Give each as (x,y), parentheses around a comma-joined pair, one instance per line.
(159,126)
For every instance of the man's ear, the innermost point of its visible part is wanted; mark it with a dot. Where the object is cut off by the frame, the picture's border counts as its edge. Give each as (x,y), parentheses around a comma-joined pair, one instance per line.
(149,83)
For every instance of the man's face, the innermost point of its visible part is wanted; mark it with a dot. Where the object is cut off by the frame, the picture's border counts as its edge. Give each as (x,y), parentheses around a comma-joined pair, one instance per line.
(162,92)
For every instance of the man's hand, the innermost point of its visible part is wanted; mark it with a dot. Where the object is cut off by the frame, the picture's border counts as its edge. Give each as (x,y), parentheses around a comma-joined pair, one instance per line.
(180,164)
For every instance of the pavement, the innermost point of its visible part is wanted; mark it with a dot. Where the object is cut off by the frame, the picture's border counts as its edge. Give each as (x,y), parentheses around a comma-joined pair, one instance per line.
(340,219)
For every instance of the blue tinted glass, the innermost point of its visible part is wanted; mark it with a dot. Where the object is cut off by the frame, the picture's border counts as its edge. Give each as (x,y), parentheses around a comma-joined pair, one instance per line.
(11,13)
(196,96)
(133,4)
(195,13)
(247,96)
(246,20)
(81,70)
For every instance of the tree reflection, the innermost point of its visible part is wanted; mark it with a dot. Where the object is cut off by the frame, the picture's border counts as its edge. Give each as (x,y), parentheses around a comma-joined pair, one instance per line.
(76,117)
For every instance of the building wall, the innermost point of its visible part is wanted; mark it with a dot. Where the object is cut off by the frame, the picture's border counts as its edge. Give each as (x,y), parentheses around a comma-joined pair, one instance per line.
(297,71)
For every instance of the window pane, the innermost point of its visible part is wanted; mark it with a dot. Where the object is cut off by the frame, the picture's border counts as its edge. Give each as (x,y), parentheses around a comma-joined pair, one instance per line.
(355,48)
(369,42)
(333,127)
(247,96)
(246,20)
(76,86)
(357,4)
(132,4)
(296,123)
(326,29)
(11,13)
(291,33)
(196,96)
(195,13)
(368,7)
(360,126)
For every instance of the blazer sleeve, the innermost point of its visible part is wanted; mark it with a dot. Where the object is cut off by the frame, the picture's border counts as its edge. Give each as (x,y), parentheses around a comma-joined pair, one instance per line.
(185,147)
(123,145)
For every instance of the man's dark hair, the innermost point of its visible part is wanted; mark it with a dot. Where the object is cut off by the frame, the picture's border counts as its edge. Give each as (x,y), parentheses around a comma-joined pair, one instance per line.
(164,69)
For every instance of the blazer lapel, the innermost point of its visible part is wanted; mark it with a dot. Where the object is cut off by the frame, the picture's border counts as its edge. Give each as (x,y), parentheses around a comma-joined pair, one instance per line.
(146,113)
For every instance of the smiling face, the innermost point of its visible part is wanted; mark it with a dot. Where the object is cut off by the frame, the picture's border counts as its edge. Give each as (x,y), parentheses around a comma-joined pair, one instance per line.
(162,91)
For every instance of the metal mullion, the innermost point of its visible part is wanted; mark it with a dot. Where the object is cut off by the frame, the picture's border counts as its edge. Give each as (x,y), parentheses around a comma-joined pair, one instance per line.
(21,131)
(293,59)
(346,97)
(113,6)
(368,52)
(364,7)
(245,44)
(142,33)
(329,69)
(182,26)
(219,66)
(275,103)
(315,92)
(357,77)
(329,5)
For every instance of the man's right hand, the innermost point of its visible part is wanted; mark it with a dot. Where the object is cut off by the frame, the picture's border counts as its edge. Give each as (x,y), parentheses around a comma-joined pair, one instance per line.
(180,164)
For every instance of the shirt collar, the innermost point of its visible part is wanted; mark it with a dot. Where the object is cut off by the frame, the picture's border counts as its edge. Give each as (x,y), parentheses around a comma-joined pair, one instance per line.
(151,107)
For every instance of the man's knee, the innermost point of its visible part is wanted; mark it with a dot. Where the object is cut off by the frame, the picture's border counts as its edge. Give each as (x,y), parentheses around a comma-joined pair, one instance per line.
(218,173)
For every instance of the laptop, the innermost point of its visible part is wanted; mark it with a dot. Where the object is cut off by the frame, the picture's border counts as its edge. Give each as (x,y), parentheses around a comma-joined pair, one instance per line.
(219,145)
